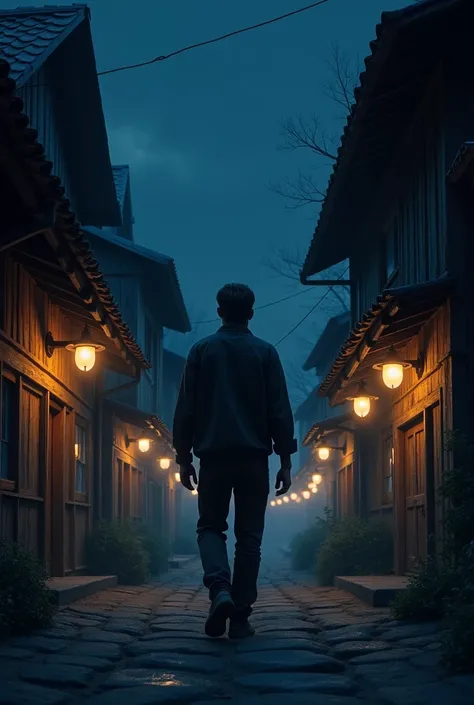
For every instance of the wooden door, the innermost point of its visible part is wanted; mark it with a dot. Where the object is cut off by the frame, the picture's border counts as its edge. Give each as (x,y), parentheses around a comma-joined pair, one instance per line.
(55,521)
(415,495)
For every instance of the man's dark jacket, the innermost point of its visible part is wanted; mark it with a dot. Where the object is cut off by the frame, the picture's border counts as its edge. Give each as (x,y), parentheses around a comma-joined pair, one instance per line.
(233,399)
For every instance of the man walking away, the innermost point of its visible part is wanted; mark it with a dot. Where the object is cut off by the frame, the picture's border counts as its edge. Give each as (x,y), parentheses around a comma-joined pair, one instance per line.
(232,412)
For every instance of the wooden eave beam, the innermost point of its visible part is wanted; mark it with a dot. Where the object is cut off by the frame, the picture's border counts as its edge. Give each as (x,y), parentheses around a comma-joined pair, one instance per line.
(85,290)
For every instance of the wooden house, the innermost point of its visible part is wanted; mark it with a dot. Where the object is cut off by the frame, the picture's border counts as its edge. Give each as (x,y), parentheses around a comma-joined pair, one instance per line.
(140,485)
(399,207)
(51,288)
(319,423)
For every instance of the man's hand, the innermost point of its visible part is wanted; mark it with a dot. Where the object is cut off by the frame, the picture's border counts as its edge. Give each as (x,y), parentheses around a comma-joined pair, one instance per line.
(188,473)
(283,478)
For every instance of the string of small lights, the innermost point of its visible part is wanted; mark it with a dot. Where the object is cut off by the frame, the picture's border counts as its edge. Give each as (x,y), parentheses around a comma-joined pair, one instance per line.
(297,497)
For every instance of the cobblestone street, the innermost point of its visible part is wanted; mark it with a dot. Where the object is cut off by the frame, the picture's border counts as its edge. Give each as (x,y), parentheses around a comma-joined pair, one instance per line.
(144,645)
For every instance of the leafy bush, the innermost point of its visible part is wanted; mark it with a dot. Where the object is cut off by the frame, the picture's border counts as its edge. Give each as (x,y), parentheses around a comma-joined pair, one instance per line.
(355,547)
(25,600)
(155,547)
(115,548)
(185,545)
(304,547)
(445,588)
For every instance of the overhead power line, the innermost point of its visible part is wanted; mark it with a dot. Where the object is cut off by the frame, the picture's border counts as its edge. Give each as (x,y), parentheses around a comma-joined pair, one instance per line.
(221,38)
(257,308)
(287,335)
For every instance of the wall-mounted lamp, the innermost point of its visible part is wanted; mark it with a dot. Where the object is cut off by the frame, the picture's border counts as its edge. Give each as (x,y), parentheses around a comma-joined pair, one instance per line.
(77,451)
(324,451)
(286,499)
(362,400)
(144,440)
(279,501)
(393,367)
(306,494)
(314,490)
(84,349)
(293,496)
(317,478)
(165,463)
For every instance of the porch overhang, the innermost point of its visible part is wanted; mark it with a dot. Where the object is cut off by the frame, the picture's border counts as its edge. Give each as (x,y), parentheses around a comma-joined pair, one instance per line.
(394,319)
(327,426)
(132,415)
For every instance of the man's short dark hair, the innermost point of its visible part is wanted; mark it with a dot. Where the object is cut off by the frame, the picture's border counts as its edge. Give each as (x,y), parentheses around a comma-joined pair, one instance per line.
(236,302)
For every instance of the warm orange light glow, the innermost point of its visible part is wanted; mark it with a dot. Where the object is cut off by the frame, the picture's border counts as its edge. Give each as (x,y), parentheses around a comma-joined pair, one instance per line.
(177,477)
(279,501)
(392,375)
(272,503)
(77,452)
(311,485)
(165,463)
(306,494)
(293,496)
(314,490)
(298,500)
(194,492)
(144,445)
(323,453)
(317,478)
(362,406)
(286,499)
(84,357)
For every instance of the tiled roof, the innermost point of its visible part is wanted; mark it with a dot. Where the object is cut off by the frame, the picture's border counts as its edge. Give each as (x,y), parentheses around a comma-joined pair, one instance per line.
(404,309)
(121,177)
(385,31)
(24,140)
(29,35)
(319,428)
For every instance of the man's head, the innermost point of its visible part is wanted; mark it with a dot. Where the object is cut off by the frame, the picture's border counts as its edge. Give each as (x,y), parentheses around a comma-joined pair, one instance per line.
(235,303)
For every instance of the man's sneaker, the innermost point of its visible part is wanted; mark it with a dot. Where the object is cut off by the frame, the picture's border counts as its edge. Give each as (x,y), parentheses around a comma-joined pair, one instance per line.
(221,610)
(240,629)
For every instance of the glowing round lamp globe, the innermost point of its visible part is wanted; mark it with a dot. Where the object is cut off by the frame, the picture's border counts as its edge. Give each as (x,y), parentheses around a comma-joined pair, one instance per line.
(362,406)
(317,478)
(84,357)
(194,492)
(272,503)
(177,477)
(165,463)
(279,501)
(314,490)
(392,375)
(144,445)
(285,499)
(323,453)
(306,494)
(293,496)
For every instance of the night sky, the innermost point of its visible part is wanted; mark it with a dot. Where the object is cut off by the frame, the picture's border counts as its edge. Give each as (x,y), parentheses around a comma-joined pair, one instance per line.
(201,134)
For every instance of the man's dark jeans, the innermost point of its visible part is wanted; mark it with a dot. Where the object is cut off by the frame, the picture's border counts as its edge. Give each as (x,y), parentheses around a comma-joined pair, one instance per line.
(248,478)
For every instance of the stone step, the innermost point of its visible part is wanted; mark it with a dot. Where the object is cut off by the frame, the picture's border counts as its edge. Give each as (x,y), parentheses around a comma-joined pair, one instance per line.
(75,587)
(374,590)
(180,561)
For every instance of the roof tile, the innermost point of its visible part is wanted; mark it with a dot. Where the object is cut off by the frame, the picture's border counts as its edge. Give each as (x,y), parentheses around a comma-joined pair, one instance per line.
(26,39)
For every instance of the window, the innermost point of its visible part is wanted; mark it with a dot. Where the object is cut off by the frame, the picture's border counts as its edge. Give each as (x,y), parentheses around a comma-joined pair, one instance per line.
(80,452)
(387,467)
(8,416)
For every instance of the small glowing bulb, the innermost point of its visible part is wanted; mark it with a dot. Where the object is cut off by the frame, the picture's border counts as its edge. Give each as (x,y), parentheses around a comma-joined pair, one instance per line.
(84,357)
(285,499)
(279,501)
(298,500)
(311,485)
(293,496)
(144,445)
(323,453)
(317,478)
(362,406)
(314,490)
(306,494)
(272,503)
(177,477)
(165,463)
(194,492)
(392,375)
(76,451)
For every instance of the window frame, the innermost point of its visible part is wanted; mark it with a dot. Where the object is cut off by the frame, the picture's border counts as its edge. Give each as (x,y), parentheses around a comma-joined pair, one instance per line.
(10,484)
(82,494)
(387,442)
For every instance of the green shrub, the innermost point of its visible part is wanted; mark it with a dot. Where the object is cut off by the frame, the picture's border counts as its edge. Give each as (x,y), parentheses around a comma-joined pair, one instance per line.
(458,640)
(304,547)
(25,600)
(428,588)
(355,547)
(156,548)
(185,545)
(115,548)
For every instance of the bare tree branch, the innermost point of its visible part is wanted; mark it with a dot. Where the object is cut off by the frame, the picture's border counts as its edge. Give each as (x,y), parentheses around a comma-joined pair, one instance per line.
(300,192)
(344,78)
(299,133)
